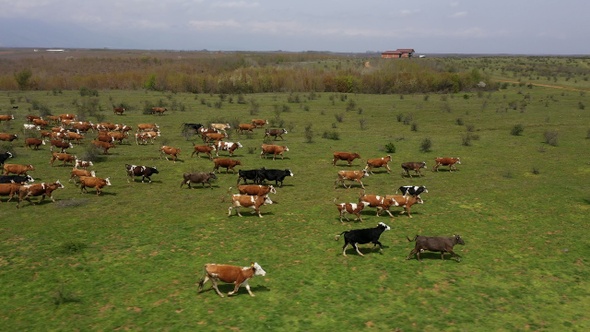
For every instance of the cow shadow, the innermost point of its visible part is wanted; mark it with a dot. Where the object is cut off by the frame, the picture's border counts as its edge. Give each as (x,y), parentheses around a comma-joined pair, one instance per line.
(435,256)
(226,288)
(364,250)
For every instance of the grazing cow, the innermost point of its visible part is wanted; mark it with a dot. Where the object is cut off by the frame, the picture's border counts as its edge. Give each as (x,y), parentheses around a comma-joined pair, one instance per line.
(245,127)
(147,127)
(22,179)
(248,201)
(207,149)
(413,166)
(198,177)
(143,137)
(6,117)
(159,110)
(34,143)
(276,175)
(259,122)
(251,174)
(435,243)
(347,156)
(446,161)
(105,146)
(118,110)
(226,163)
(405,201)
(256,189)
(77,173)
(273,149)
(169,151)
(65,157)
(351,176)
(412,190)
(377,163)
(220,126)
(232,275)
(83,164)
(9,189)
(144,171)
(230,147)
(352,208)
(362,236)
(382,203)
(93,182)
(38,189)
(275,133)
(8,137)
(62,145)
(17,169)
(4,156)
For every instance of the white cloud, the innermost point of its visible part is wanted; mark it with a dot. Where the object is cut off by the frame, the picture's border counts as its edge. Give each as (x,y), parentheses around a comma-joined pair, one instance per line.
(458,14)
(236,4)
(212,25)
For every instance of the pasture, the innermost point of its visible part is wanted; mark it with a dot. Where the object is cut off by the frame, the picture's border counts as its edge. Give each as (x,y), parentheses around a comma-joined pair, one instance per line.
(131,259)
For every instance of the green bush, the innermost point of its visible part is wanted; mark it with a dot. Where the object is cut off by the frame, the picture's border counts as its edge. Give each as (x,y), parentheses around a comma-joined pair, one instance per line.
(426,145)
(517,130)
(390,147)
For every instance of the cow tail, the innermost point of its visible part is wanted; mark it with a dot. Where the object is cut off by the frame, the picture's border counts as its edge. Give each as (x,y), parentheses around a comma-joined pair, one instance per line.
(415,237)
(339,235)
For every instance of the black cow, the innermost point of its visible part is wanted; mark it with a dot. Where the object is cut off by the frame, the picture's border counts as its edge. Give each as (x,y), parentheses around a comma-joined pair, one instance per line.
(4,156)
(413,166)
(441,244)
(144,171)
(250,174)
(23,179)
(276,175)
(198,177)
(412,190)
(275,132)
(362,236)
(191,126)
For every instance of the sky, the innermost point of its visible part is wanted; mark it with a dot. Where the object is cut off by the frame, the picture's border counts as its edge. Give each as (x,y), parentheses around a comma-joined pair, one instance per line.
(535,27)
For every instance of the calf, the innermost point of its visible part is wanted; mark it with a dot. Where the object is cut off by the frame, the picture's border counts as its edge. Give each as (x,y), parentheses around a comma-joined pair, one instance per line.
(412,190)
(40,189)
(232,275)
(144,171)
(350,176)
(198,177)
(247,201)
(276,175)
(347,156)
(362,236)
(230,147)
(93,182)
(440,244)
(226,163)
(34,143)
(377,163)
(406,202)
(352,208)
(8,137)
(413,166)
(169,151)
(251,174)
(207,149)
(382,203)
(4,156)
(446,161)
(256,189)
(273,149)
(275,133)
(17,169)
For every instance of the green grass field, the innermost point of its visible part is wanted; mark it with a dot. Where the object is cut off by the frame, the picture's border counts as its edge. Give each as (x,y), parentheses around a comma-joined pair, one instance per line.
(131,258)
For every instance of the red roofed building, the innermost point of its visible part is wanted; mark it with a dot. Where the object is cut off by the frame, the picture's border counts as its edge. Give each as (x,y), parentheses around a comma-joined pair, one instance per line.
(399,53)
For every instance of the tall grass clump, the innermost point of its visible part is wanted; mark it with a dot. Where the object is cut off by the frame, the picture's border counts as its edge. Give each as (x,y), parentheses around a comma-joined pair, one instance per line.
(426,145)
(517,130)
(551,137)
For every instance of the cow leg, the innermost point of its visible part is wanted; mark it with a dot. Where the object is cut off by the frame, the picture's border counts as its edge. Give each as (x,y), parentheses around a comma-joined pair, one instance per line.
(344,248)
(361,182)
(377,243)
(389,212)
(411,255)
(214,285)
(355,246)
(202,282)
(248,288)
(453,254)
(257,210)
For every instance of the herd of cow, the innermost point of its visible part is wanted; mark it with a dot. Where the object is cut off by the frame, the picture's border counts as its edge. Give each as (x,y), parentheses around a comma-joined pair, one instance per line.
(254,195)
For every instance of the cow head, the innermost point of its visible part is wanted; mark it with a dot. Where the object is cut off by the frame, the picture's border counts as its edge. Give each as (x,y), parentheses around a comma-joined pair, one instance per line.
(365,172)
(288,171)
(59,185)
(458,239)
(212,175)
(382,224)
(258,269)
(267,200)
(272,190)
(107,181)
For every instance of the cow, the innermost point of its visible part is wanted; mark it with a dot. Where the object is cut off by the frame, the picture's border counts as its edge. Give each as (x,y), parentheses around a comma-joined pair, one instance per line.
(166,151)
(62,145)
(351,208)
(377,163)
(159,110)
(413,166)
(9,189)
(382,203)
(67,116)
(276,175)
(93,182)
(83,127)
(38,189)
(259,122)
(247,127)
(8,137)
(220,126)
(191,126)
(34,143)
(275,133)
(248,201)
(198,177)
(232,275)
(207,149)
(30,126)
(105,146)
(65,157)
(230,147)
(273,149)
(406,202)
(446,161)
(143,137)
(77,173)
(351,176)
(31,117)
(256,189)
(105,126)
(17,169)
(53,119)
(118,110)
(83,164)
(435,243)
(22,179)
(144,171)
(118,136)
(347,156)
(361,236)
(104,136)
(4,156)
(251,174)
(208,137)
(226,163)
(41,123)
(6,117)
(147,127)
(412,190)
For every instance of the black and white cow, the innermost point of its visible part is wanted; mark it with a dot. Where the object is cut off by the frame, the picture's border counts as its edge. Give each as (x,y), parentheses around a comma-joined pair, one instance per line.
(276,175)
(198,177)
(251,174)
(362,236)
(144,171)
(412,190)
(4,156)
(23,179)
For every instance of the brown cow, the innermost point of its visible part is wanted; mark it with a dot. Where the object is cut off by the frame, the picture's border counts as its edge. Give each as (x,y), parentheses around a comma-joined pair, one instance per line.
(377,163)
(65,157)
(147,127)
(73,136)
(6,117)
(9,189)
(169,151)
(30,118)
(83,126)
(41,123)
(435,243)
(67,116)
(382,203)
(226,163)
(159,110)
(118,136)
(413,166)
(34,143)
(230,274)
(406,202)
(93,182)
(351,176)
(248,201)
(275,132)
(83,164)
(347,156)
(446,161)
(245,127)
(62,145)
(38,189)
(76,173)
(17,169)
(105,126)
(259,122)
(105,146)
(207,149)
(208,137)
(273,149)
(352,208)
(256,189)
(118,110)
(8,137)
(104,136)
(143,137)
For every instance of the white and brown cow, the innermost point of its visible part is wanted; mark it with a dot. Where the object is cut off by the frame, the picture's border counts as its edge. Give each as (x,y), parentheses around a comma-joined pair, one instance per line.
(256,189)
(446,161)
(230,147)
(351,208)
(232,275)
(350,176)
(377,163)
(93,182)
(382,203)
(248,201)
(166,151)
(275,150)
(406,202)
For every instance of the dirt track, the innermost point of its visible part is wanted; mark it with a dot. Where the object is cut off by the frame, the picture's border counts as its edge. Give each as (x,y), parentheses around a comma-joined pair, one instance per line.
(544,85)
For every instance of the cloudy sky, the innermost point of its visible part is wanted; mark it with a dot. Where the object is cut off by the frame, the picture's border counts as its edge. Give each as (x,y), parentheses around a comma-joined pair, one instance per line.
(428,26)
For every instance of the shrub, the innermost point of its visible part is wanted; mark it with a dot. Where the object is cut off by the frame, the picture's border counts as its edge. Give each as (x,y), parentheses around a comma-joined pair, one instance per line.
(308,134)
(390,147)
(581,105)
(339,117)
(363,123)
(86,92)
(459,121)
(426,145)
(517,130)
(414,126)
(334,135)
(551,137)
